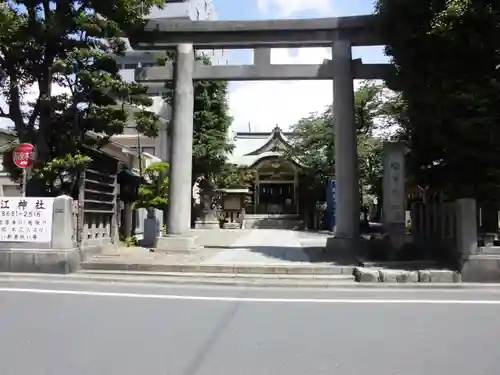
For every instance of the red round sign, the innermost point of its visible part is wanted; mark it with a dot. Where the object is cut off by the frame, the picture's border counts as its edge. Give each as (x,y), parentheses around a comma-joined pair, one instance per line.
(23,155)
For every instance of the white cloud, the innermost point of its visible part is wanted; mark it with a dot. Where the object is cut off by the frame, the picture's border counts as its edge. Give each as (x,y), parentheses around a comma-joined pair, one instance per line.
(266,104)
(285,8)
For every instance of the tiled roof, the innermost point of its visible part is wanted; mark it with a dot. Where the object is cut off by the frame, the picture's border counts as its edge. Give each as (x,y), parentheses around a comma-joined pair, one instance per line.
(250,147)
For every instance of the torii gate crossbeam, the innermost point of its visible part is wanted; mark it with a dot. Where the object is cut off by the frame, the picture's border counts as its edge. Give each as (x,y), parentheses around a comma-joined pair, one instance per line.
(151,76)
(165,33)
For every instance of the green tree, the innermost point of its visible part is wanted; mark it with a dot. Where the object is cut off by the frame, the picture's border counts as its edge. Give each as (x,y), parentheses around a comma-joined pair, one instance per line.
(312,146)
(233,177)
(371,163)
(45,44)
(211,122)
(313,143)
(446,56)
(154,192)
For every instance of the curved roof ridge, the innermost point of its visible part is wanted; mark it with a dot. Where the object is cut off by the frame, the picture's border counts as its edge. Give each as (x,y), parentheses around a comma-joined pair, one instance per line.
(276,133)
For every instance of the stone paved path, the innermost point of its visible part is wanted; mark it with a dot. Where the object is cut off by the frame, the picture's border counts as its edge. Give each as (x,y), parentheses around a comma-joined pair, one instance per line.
(263,246)
(253,247)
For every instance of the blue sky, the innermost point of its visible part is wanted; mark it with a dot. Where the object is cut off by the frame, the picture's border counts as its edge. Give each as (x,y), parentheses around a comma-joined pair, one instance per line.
(249,10)
(262,105)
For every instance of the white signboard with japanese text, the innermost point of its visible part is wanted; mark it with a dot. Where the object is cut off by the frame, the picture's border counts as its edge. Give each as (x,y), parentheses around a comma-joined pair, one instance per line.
(26,219)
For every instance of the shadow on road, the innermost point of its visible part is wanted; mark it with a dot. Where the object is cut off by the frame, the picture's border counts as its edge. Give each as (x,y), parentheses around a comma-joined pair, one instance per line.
(315,254)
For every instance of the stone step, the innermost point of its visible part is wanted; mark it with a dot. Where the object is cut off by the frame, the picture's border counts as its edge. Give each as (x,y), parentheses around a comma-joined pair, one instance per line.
(271,223)
(220,279)
(339,277)
(105,264)
(409,265)
(272,216)
(488,250)
(482,268)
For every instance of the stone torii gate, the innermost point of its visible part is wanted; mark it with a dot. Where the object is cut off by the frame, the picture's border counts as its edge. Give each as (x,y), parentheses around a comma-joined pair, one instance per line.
(340,34)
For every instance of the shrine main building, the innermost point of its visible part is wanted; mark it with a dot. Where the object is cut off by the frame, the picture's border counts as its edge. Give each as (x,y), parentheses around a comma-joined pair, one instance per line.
(276,180)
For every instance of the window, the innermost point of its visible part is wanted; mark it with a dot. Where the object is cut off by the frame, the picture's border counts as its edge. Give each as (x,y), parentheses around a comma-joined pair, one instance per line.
(149,150)
(11,191)
(130,66)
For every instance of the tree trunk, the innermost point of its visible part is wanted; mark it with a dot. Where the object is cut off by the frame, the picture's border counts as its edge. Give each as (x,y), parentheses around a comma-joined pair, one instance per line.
(42,146)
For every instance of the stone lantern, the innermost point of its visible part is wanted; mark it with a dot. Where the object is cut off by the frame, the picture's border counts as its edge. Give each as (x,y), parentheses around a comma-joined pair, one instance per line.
(129,188)
(208,217)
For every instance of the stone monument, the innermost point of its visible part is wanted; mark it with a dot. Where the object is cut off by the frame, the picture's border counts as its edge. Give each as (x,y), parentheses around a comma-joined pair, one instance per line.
(394,202)
(152,227)
(37,235)
(208,218)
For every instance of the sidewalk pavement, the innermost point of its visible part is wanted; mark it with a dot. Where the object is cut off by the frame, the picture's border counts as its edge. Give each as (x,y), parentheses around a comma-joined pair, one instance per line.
(257,251)
(288,255)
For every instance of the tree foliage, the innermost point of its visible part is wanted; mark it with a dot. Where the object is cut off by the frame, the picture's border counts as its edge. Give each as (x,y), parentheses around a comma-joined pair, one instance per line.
(312,146)
(313,142)
(154,193)
(371,162)
(446,54)
(59,77)
(211,122)
(233,177)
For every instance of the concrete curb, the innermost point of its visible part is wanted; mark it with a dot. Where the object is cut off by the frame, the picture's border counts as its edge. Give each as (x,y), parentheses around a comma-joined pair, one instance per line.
(186,279)
(159,278)
(221,269)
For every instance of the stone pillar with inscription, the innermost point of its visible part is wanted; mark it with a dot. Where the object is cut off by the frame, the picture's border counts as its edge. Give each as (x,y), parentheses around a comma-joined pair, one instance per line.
(37,235)
(152,227)
(394,196)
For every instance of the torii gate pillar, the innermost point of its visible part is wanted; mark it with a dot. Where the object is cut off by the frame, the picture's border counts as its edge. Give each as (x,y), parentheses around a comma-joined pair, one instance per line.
(181,155)
(346,240)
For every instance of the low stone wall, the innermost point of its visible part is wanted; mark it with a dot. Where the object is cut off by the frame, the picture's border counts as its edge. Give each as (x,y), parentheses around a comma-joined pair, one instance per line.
(375,275)
(447,231)
(450,230)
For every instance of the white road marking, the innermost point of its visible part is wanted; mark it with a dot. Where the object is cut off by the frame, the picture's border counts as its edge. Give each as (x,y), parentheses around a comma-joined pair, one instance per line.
(253,299)
(152,282)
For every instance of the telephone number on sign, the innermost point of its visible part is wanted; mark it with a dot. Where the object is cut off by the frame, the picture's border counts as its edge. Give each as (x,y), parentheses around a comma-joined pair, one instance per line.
(20,213)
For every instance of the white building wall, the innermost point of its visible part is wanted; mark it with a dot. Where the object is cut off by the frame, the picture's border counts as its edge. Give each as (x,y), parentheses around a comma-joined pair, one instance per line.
(192,9)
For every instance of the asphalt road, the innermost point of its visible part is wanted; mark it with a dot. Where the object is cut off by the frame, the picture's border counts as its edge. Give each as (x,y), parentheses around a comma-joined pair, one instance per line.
(95,328)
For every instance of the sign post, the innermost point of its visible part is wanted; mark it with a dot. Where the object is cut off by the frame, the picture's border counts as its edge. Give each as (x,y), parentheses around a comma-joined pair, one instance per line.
(22,157)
